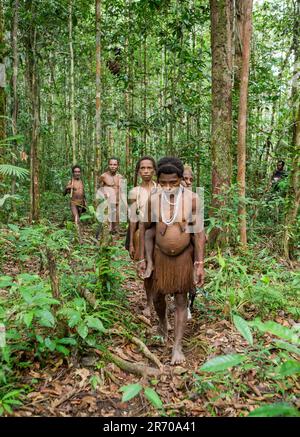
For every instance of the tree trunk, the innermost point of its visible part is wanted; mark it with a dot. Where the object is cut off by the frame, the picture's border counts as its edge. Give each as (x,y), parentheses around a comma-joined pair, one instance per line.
(145,94)
(242,120)
(221,38)
(14,44)
(72,87)
(2,77)
(294,189)
(97,153)
(32,77)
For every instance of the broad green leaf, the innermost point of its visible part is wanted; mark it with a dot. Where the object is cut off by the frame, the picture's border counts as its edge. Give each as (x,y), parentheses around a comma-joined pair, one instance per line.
(275,410)
(287,346)
(74,318)
(153,397)
(290,367)
(95,323)
(82,330)
(130,391)
(46,318)
(50,344)
(67,340)
(222,362)
(6,281)
(62,349)
(28,318)
(243,328)
(276,329)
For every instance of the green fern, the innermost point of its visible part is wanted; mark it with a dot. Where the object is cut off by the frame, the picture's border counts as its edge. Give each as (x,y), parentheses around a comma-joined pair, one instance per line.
(12,170)
(8,196)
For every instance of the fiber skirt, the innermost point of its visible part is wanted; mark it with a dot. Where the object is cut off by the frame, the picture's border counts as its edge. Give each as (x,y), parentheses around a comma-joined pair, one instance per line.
(171,274)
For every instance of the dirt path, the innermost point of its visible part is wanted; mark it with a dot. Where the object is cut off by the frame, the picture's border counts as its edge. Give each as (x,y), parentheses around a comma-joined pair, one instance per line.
(89,386)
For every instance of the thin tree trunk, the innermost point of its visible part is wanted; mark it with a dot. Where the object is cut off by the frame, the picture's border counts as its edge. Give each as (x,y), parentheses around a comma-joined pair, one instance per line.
(221,37)
(14,43)
(32,76)
(97,152)
(293,202)
(72,87)
(242,120)
(2,77)
(145,93)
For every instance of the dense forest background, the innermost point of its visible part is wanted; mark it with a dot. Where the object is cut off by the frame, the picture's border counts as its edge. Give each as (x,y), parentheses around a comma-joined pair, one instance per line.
(215,83)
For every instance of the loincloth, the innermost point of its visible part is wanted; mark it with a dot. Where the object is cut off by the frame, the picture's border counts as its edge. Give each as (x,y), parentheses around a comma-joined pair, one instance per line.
(172,274)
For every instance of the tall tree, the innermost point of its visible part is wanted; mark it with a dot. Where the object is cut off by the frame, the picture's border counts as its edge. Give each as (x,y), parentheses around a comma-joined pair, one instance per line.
(2,74)
(14,43)
(72,86)
(293,204)
(97,153)
(242,118)
(221,131)
(33,90)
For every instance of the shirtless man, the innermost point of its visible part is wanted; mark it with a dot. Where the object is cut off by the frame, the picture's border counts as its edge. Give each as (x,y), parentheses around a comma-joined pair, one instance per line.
(188,177)
(178,264)
(187,181)
(138,196)
(110,182)
(75,188)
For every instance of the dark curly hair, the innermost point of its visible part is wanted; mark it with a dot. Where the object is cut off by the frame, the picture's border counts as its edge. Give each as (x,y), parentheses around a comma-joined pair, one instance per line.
(137,167)
(76,166)
(169,165)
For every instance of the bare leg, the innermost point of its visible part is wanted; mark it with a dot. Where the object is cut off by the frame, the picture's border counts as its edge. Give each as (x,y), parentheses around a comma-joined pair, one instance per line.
(180,322)
(149,245)
(161,310)
(75,213)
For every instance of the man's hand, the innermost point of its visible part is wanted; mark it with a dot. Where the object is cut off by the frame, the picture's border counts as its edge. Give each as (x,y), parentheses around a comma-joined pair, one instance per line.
(69,186)
(199,275)
(141,268)
(131,251)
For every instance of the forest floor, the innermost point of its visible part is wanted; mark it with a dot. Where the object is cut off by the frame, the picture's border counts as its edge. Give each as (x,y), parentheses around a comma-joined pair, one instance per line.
(64,386)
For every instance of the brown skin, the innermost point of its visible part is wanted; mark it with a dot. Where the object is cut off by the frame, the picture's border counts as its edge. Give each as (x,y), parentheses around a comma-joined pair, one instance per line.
(146,172)
(75,186)
(110,181)
(188,179)
(171,182)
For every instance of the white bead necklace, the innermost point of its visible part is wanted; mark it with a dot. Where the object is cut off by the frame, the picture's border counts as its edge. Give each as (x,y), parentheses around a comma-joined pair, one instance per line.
(171,220)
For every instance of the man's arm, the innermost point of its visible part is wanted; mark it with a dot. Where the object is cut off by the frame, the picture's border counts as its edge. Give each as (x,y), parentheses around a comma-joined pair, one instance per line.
(132,223)
(199,244)
(68,188)
(143,226)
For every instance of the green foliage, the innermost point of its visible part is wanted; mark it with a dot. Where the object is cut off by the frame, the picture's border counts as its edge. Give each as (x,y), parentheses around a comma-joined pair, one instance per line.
(243,328)
(258,359)
(13,171)
(275,410)
(132,390)
(222,363)
(9,400)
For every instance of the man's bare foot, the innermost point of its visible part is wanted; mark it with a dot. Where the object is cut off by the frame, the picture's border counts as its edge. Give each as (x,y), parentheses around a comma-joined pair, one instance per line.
(149,270)
(177,356)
